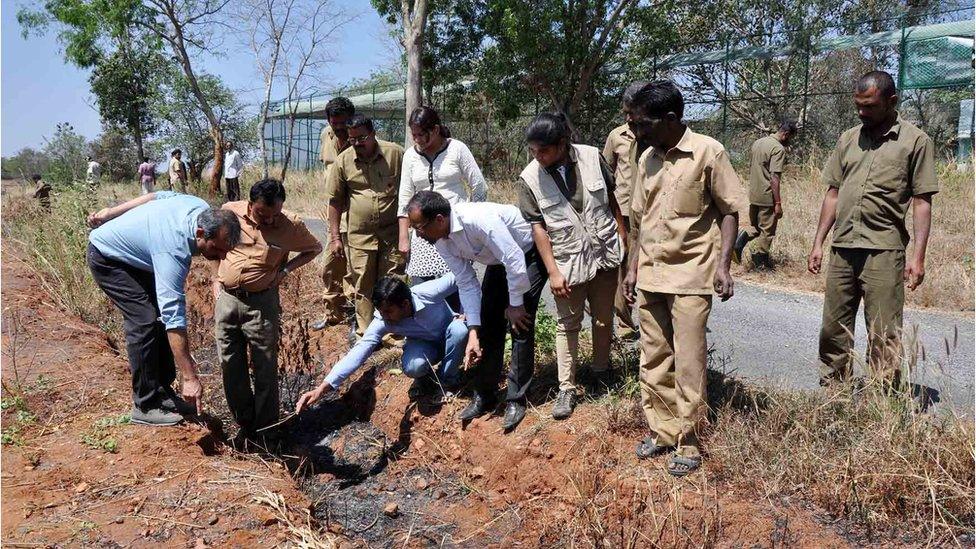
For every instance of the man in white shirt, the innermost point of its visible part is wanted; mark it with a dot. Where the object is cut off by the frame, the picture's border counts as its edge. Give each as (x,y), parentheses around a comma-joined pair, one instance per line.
(93,173)
(233,165)
(495,235)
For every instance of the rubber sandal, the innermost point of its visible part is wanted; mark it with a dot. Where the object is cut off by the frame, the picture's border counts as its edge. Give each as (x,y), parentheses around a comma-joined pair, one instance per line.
(649,448)
(680,466)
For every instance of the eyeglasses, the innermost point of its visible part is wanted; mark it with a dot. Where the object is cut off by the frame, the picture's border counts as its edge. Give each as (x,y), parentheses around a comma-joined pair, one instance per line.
(357,140)
(420,228)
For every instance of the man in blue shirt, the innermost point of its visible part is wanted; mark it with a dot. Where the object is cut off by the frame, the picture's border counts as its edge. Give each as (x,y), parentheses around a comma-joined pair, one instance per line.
(139,255)
(433,331)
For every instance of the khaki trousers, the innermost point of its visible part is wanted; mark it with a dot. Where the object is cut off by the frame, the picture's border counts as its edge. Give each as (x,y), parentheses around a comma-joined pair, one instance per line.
(672,366)
(624,310)
(365,268)
(243,324)
(762,228)
(334,277)
(599,293)
(877,276)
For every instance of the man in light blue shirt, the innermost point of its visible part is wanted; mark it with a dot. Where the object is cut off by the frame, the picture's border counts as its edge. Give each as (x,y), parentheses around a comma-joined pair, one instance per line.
(433,331)
(139,255)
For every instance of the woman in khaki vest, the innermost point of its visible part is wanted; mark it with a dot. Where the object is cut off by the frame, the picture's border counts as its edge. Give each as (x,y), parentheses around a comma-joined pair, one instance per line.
(566,193)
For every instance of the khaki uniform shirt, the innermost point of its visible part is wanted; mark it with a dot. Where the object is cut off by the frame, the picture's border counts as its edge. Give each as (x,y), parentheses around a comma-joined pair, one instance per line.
(370,188)
(876,180)
(766,158)
(328,153)
(617,154)
(175,169)
(678,203)
(254,263)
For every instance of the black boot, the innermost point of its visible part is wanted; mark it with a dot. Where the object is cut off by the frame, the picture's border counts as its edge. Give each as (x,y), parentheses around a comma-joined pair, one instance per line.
(480,405)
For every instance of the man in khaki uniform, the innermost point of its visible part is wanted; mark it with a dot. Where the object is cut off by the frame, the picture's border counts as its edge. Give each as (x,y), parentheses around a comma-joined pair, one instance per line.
(617,154)
(247,311)
(876,170)
(686,202)
(177,171)
(332,142)
(365,183)
(767,156)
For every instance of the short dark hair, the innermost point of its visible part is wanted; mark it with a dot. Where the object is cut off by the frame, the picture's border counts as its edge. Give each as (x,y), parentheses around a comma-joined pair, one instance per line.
(430,203)
(175,151)
(788,127)
(631,91)
(36,177)
(548,128)
(877,79)
(270,191)
(359,120)
(212,219)
(390,290)
(426,118)
(145,159)
(339,106)
(657,98)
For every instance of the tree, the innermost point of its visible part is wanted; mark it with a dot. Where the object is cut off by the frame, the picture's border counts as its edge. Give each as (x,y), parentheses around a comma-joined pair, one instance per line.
(287,38)
(186,24)
(25,163)
(412,16)
(67,151)
(117,153)
(185,126)
(104,36)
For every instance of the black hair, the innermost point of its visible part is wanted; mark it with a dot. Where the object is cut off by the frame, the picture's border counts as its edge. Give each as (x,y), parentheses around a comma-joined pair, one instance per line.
(145,159)
(430,203)
(548,128)
(657,99)
(359,120)
(426,118)
(36,177)
(339,106)
(787,127)
(877,79)
(175,151)
(631,91)
(390,290)
(270,191)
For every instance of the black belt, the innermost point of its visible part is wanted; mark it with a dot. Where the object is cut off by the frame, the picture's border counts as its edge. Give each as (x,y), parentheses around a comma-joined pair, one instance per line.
(242,293)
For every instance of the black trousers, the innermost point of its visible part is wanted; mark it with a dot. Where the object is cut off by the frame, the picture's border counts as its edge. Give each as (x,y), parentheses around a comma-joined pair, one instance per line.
(494,326)
(233,188)
(133,291)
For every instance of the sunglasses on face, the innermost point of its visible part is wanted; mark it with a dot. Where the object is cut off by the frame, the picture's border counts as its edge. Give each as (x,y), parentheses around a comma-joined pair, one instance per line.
(357,140)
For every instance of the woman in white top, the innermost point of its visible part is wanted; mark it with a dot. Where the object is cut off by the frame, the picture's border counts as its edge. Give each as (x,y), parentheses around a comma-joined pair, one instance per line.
(437,163)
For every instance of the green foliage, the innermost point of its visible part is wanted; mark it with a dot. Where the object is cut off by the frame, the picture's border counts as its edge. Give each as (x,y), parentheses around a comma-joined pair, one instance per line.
(66,152)
(15,402)
(25,163)
(123,84)
(117,154)
(101,434)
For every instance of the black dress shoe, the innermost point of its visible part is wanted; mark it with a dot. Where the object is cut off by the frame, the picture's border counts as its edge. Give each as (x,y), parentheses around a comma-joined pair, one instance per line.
(479,406)
(514,414)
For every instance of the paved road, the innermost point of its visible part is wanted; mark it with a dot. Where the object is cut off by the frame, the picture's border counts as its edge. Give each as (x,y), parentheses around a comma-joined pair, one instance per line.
(771,335)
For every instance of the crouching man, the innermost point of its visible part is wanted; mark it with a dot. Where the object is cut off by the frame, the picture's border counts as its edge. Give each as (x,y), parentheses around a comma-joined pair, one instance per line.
(139,255)
(247,312)
(433,334)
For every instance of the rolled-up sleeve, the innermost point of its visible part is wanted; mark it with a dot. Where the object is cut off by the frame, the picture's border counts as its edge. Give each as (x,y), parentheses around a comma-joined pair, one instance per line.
(358,355)
(170,271)
(467,282)
(922,168)
(726,188)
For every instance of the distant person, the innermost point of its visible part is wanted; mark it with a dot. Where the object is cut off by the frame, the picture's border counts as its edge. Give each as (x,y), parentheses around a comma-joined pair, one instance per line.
(177,171)
(567,194)
(437,162)
(433,334)
(139,255)
(42,192)
(364,182)
(767,157)
(147,175)
(247,309)
(505,302)
(93,173)
(617,154)
(685,216)
(876,170)
(338,295)
(233,165)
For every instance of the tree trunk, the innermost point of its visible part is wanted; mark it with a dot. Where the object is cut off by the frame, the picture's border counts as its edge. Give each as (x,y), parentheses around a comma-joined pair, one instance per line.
(137,137)
(413,42)
(291,133)
(218,165)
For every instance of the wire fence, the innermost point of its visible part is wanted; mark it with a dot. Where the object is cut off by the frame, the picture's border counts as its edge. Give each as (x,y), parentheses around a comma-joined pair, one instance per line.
(736,88)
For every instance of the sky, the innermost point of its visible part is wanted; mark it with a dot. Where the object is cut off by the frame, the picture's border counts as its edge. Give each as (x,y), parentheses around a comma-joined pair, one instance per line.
(38,90)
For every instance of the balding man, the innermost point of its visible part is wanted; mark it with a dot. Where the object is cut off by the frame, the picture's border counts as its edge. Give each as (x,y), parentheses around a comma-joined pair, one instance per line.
(876,170)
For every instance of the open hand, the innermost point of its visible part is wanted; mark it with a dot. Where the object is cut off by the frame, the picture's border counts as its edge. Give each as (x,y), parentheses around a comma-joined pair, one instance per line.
(311,397)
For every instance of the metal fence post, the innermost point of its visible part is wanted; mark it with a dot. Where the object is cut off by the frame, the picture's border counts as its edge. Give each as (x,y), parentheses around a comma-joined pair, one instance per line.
(725,90)
(806,90)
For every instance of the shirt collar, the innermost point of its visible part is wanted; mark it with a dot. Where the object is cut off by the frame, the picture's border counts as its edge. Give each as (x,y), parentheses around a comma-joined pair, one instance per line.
(893,131)
(455,223)
(685,144)
(377,156)
(418,304)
